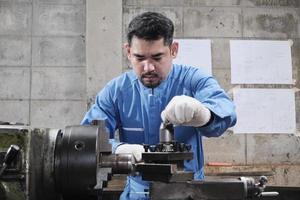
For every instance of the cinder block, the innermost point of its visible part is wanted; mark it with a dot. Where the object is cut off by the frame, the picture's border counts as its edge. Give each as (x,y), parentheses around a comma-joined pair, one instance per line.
(15,51)
(227,148)
(220,54)
(58,83)
(298,79)
(16,1)
(279,23)
(296,61)
(196,3)
(221,62)
(62,1)
(287,175)
(56,114)
(156,3)
(297,105)
(53,19)
(14,83)
(15,18)
(181,3)
(58,51)
(212,22)
(271,3)
(272,149)
(174,13)
(223,77)
(14,111)
(104,43)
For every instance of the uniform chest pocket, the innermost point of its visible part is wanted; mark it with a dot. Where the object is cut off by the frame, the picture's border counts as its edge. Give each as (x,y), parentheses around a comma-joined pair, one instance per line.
(132,135)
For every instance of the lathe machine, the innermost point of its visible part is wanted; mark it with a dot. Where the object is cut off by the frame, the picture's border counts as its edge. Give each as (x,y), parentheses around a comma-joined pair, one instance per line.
(77,163)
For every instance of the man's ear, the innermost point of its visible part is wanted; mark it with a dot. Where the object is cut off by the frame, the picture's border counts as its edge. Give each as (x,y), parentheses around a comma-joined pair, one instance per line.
(127,50)
(174,49)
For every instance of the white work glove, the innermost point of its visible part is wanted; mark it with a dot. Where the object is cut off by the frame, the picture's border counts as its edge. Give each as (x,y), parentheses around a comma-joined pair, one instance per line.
(135,149)
(186,111)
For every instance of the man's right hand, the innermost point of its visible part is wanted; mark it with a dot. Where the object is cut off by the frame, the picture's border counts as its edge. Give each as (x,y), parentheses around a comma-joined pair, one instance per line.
(186,111)
(135,149)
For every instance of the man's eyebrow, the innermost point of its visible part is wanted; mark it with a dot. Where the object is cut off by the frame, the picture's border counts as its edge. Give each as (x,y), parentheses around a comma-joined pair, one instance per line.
(138,55)
(157,55)
(142,56)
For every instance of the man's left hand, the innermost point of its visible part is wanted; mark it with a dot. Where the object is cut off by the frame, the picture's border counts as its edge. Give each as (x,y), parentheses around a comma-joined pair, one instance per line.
(135,149)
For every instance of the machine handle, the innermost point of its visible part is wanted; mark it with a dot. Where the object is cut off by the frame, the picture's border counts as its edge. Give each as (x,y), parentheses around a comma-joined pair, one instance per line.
(269,194)
(9,157)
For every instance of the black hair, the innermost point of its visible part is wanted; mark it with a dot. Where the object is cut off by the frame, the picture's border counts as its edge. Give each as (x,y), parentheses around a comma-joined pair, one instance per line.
(151,26)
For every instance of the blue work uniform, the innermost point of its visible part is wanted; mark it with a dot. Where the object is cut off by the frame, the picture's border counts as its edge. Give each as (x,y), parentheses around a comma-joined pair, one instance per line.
(127,105)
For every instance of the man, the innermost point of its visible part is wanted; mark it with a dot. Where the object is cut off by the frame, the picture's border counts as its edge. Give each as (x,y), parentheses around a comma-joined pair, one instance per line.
(184,96)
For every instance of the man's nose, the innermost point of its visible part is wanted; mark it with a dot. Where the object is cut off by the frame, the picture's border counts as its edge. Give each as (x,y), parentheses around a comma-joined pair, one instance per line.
(148,66)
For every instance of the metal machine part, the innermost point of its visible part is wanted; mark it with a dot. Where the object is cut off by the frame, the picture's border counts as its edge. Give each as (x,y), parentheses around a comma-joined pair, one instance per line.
(166,133)
(84,163)
(9,157)
(166,159)
(167,142)
(73,163)
(243,188)
(119,163)
(76,163)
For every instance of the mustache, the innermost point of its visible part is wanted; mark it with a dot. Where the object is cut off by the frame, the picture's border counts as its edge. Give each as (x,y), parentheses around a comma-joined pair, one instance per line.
(153,74)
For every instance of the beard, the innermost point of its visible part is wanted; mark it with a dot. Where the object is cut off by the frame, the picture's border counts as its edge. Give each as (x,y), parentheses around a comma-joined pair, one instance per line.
(150,79)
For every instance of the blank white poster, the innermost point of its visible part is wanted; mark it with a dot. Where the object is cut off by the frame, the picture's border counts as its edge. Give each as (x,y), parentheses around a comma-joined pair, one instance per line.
(194,52)
(260,62)
(265,111)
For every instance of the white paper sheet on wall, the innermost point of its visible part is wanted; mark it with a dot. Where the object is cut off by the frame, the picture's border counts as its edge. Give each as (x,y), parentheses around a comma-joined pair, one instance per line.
(261,62)
(265,111)
(195,52)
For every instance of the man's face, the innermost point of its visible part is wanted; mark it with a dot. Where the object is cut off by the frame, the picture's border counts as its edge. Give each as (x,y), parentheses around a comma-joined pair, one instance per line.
(151,60)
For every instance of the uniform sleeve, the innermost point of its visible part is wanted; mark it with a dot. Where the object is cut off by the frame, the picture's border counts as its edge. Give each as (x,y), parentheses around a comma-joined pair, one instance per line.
(104,108)
(207,91)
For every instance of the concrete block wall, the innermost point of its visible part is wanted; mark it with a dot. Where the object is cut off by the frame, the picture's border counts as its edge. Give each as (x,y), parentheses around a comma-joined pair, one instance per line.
(55,55)
(42,62)
(222,21)
(103,44)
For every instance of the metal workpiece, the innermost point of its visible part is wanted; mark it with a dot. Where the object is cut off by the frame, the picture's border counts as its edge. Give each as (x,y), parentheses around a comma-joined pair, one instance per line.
(120,163)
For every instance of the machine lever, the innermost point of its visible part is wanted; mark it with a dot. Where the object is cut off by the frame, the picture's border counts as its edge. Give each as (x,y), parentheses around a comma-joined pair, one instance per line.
(269,194)
(9,157)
